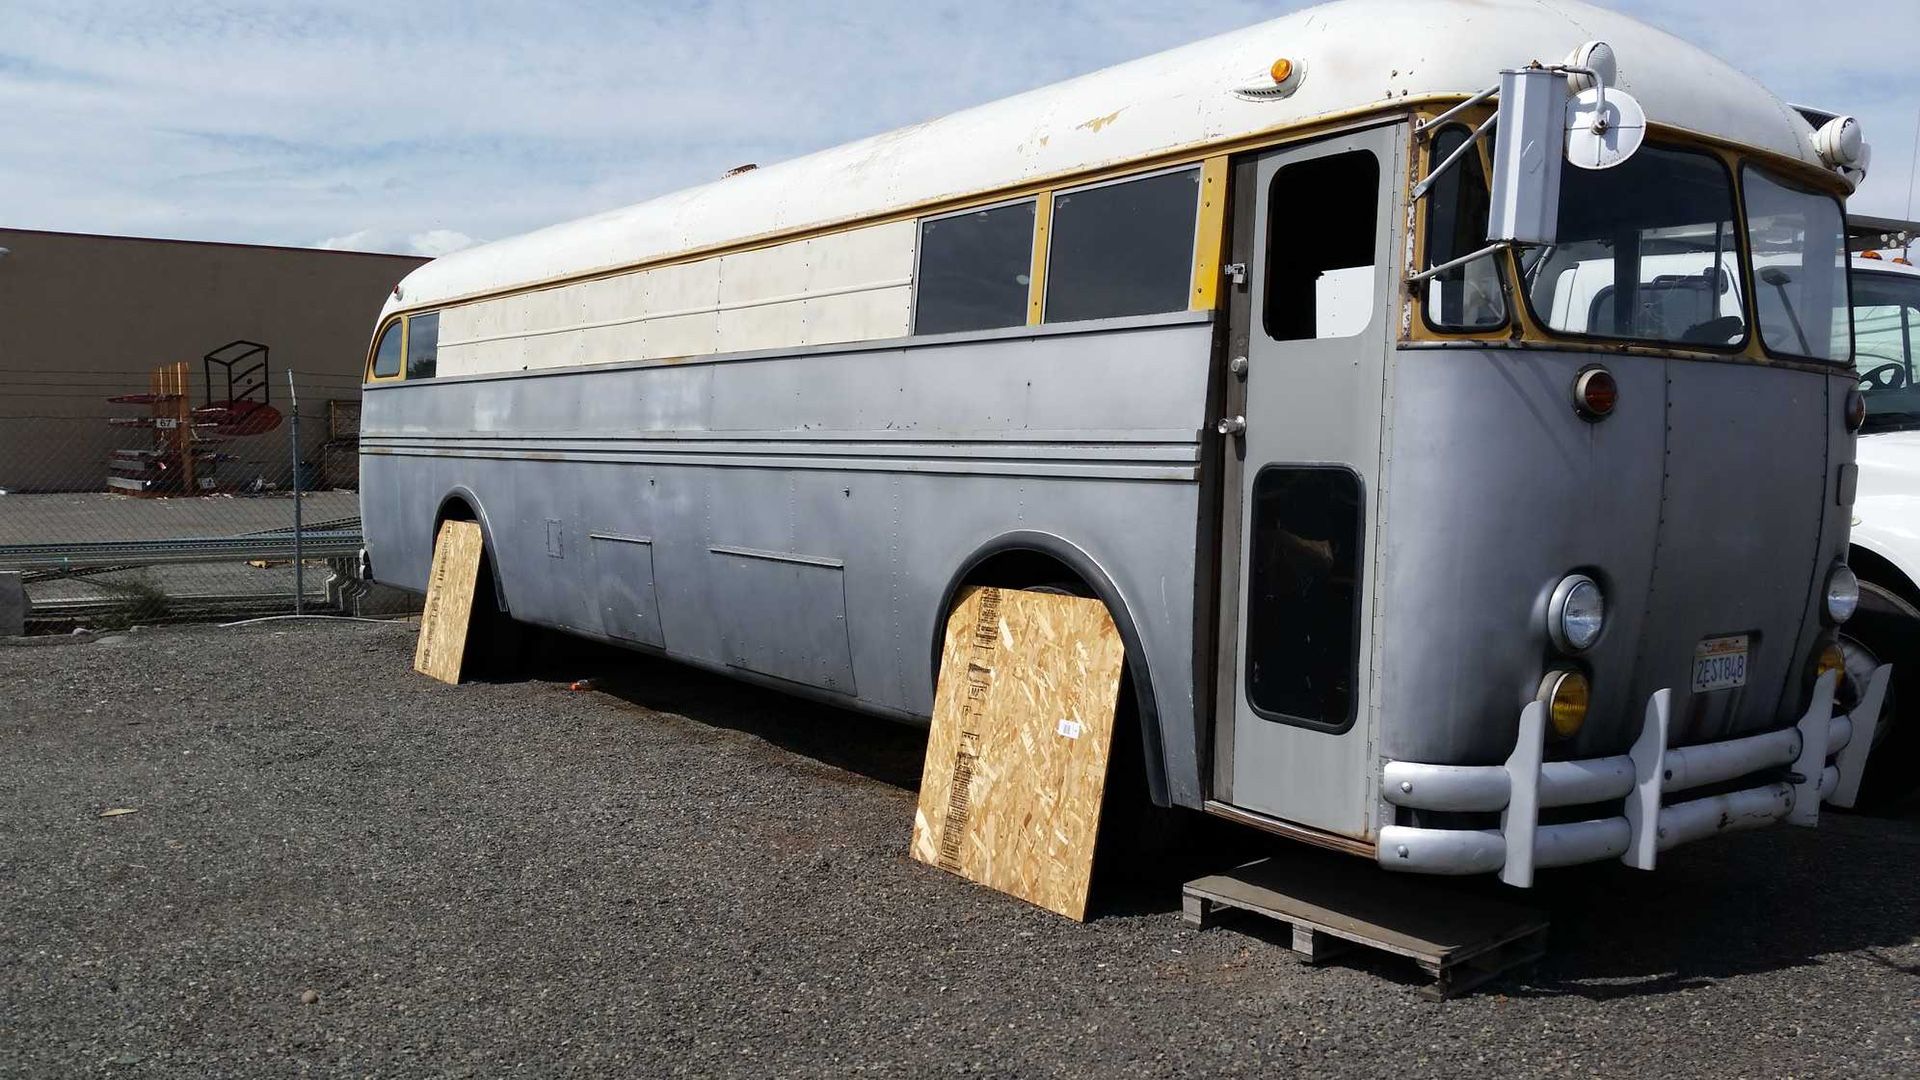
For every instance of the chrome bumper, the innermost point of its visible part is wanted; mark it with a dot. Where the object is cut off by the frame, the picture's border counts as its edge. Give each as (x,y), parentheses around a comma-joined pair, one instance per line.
(1826,754)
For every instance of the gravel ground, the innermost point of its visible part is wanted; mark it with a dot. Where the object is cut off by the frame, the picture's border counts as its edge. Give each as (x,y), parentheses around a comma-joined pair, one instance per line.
(340,868)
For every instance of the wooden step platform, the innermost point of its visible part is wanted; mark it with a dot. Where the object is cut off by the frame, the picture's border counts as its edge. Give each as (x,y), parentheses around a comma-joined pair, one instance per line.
(1459,938)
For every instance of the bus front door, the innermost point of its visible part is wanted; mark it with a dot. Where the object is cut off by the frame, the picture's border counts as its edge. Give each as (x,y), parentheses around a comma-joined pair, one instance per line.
(1293,734)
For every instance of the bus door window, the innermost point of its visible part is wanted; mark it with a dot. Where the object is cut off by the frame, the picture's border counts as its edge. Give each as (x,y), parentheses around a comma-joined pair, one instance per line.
(386,355)
(423,345)
(975,269)
(1466,297)
(1122,249)
(1320,247)
(1304,581)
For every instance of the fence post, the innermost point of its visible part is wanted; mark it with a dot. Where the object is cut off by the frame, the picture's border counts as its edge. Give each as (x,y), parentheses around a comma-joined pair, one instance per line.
(299,567)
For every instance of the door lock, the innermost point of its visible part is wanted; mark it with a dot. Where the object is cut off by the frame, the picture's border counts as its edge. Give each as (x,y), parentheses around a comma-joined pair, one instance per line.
(1238,365)
(1231,425)
(1236,272)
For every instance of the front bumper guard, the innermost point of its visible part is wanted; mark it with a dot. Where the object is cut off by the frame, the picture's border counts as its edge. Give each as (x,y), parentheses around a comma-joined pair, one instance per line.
(1826,755)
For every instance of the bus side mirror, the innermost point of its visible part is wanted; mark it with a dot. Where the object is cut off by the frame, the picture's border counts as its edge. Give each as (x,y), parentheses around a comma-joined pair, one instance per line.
(1528,149)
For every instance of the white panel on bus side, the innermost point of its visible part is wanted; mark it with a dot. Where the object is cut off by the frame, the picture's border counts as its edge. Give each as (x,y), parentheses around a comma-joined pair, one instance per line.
(763,274)
(543,311)
(862,316)
(869,256)
(756,298)
(763,326)
(457,325)
(680,302)
(761,299)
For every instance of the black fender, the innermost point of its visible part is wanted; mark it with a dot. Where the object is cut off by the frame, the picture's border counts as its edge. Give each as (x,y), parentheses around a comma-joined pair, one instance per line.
(1082,566)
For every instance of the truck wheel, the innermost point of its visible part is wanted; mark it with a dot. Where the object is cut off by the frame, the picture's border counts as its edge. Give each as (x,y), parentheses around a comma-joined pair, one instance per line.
(1886,629)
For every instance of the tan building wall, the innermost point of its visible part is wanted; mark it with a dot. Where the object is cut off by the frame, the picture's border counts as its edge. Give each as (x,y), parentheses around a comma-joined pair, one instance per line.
(83,318)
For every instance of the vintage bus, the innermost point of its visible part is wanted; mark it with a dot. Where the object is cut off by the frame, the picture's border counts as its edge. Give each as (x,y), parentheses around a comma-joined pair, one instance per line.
(1412,557)
(1886,517)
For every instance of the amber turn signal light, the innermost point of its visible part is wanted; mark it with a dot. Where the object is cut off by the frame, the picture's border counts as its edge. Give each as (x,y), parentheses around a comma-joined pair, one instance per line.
(1595,393)
(1856,409)
(1566,694)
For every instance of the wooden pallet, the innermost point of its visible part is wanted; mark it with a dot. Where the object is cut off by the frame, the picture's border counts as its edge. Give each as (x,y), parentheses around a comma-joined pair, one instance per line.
(1461,940)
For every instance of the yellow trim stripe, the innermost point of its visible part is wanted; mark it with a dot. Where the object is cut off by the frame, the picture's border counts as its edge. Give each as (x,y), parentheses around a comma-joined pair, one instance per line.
(1210,237)
(1037,274)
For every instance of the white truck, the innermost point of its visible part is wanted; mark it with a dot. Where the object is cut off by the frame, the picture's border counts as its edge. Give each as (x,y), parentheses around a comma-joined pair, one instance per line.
(1886,515)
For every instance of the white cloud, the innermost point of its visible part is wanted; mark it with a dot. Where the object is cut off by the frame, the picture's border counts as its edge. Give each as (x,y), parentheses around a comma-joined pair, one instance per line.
(409,127)
(433,243)
(437,242)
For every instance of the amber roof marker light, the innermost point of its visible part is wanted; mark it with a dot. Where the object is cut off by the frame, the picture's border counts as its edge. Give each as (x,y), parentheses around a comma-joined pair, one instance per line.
(1595,393)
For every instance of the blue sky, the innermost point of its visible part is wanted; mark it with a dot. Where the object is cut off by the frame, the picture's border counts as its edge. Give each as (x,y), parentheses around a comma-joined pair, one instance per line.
(421,125)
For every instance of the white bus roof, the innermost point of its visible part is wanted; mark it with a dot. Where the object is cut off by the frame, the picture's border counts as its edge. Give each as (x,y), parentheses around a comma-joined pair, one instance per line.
(1358,55)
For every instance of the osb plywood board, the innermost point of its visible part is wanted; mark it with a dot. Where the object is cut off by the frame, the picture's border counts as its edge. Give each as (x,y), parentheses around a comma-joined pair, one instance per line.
(1017,758)
(443,622)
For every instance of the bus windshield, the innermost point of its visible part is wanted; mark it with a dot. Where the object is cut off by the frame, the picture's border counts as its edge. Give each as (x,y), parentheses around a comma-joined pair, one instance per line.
(1799,247)
(1649,251)
(1886,332)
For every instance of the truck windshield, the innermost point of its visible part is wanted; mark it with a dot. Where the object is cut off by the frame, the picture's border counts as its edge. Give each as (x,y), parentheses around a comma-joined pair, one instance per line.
(1649,252)
(1886,331)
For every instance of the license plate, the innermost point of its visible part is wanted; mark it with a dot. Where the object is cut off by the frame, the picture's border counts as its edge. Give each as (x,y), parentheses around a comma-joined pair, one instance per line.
(1720,663)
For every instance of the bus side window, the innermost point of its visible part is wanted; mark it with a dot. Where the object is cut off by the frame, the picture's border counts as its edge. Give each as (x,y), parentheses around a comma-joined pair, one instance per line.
(1467,297)
(1321,225)
(423,345)
(975,267)
(386,355)
(1122,249)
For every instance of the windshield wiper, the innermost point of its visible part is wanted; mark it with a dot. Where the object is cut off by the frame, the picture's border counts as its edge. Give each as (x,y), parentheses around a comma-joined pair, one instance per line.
(1779,279)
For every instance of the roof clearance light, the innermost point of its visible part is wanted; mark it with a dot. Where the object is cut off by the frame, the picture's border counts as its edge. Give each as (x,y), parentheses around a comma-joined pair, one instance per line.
(1874,255)
(1283,77)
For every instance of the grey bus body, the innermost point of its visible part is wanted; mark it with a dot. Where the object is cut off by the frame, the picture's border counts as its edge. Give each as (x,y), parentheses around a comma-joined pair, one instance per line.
(804,518)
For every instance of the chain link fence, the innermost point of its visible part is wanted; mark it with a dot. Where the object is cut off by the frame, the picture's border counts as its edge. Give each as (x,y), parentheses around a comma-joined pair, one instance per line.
(139,497)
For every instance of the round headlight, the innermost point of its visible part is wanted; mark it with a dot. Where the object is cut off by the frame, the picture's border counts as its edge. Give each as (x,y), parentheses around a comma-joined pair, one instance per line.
(1576,614)
(1843,594)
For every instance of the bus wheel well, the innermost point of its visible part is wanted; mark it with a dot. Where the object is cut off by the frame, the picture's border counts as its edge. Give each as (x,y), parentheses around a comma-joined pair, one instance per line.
(460,505)
(1876,570)
(1034,560)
